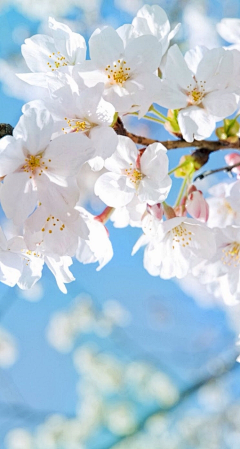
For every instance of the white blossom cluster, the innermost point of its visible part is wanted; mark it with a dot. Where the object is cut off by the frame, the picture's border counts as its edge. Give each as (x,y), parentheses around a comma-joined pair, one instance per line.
(110,389)
(66,327)
(76,123)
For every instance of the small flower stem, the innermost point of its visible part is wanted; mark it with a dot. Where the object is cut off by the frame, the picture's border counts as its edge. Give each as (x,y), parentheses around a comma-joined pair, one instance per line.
(105,215)
(146,117)
(178,166)
(159,114)
(181,191)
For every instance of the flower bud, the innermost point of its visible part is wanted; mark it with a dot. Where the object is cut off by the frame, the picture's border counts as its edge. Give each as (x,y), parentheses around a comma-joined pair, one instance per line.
(197,206)
(229,131)
(171,124)
(156,210)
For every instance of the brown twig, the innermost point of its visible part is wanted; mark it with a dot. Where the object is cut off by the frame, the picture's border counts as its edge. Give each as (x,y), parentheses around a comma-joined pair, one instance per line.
(174,144)
(180,143)
(5,130)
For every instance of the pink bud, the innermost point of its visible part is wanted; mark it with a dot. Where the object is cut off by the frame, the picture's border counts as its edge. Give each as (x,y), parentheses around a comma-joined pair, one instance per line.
(197,206)
(192,188)
(156,210)
(232,159)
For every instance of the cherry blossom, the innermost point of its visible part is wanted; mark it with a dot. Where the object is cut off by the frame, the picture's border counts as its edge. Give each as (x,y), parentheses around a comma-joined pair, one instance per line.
(125,66)
(198,86)
(44,53)
(29,160)
(83,110)
(130,175)
(177,245)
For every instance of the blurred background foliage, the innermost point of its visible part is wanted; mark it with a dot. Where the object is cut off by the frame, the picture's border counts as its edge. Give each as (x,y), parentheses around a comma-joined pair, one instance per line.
(124,361)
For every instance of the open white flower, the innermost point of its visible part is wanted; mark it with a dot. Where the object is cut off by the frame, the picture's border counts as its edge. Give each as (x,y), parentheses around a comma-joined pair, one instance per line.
(83,110)
(224,205)
(130,175)
(126,67)
(57,234)
(29,161)
(176,246)
(44,53)
(152,20)
(199,86)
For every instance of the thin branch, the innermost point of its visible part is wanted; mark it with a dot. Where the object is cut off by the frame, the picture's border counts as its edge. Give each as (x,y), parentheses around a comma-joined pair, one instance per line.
(209,145)
(5,130)
(174,144)
(227,169)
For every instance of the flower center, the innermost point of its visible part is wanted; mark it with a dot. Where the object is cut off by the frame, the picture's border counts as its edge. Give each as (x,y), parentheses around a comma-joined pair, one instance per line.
(53,223)
(56,61)
(28,255)
(231,256)
(77,125)
(34,164)
(134,175)
(196,92)
(181,235)
(118,73)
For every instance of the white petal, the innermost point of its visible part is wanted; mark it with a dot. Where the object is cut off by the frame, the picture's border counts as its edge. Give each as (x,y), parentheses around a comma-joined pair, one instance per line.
(221,104)
(154,161)
(91,105)
(125,155)
(36,52)
(145,89)
(138,56)
(105,141)
(126,33)
(194,56)
(35,129)
(114,190)
(18,197)
(59,268)
(68,153)
(195,123)
(176,71)
(154,192)
(171,97)
(11,155)
(31,273)
(229,29)
(105,46)
(69,44)
(10,268)
(215,69)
